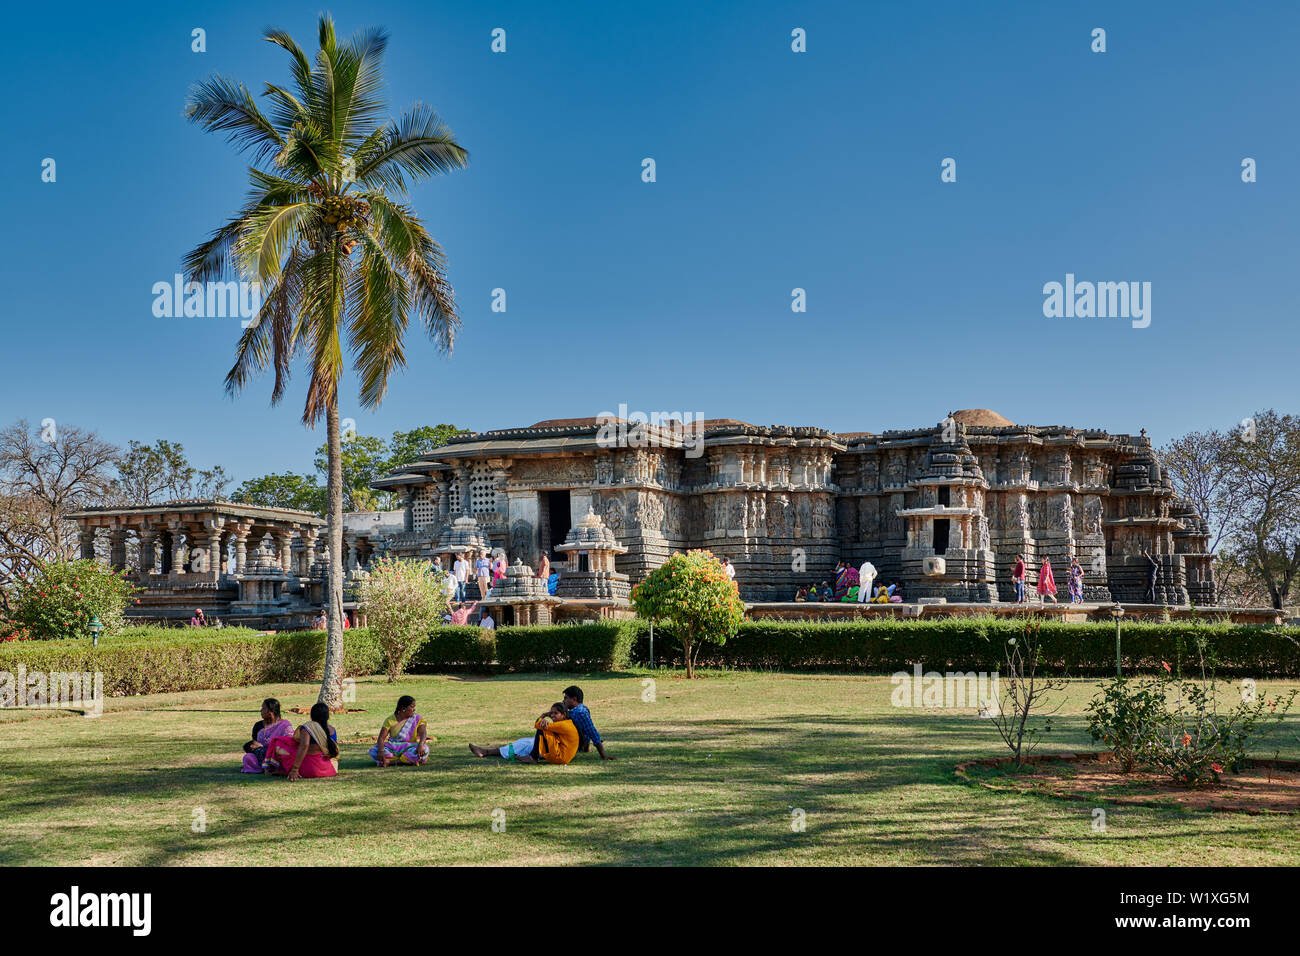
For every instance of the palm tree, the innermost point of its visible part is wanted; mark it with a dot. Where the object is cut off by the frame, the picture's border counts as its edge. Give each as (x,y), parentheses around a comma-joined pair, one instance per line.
(328,178)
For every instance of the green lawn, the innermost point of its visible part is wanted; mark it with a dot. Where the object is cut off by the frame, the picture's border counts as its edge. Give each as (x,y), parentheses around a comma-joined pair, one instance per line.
(708,773)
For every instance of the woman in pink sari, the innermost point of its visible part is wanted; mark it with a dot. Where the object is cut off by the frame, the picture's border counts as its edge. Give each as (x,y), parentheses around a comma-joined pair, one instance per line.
(1046,583)
(312,751)
(498,568)
(271,725)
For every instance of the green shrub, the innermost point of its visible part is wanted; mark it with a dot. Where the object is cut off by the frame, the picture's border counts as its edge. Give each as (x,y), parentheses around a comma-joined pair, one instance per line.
(456,648)
(599,646)
(403,602)
(62,598)
(975,643)
(692,597)
(153,663)
(1179,728)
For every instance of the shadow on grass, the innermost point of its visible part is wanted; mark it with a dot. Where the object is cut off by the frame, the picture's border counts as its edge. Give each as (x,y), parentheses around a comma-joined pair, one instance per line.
(685,790)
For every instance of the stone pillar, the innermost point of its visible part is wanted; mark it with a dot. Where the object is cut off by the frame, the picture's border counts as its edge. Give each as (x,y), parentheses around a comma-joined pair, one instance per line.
(87,536)
(349,552)
(442,490)
(179,559)
(117,548)
(285,542)
(239,531)
(148,544)
(309,536)
(464,478)
(214,526)
(407,503)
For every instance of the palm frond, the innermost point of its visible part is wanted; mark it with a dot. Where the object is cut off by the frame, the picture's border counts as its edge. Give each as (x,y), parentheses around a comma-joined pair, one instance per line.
(270,232)
(377,319)
(417,146)
(218,105)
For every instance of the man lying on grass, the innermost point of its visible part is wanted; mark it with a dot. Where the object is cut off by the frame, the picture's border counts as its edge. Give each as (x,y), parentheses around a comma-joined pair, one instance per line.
(556,741)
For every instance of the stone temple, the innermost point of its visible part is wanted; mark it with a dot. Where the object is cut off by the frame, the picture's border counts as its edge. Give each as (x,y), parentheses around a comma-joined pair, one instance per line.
(942,510)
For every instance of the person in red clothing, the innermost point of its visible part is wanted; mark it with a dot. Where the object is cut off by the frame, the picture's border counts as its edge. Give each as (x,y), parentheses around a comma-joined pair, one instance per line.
(1018,577)
(1046,583)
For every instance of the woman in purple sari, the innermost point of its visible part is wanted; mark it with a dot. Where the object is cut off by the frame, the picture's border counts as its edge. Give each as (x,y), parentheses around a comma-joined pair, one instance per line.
(271,725)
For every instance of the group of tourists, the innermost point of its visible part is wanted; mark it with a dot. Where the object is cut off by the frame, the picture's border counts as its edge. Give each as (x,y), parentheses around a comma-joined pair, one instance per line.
(276,748)
(856,584)
(485,570)
(1046,586)
(852,585)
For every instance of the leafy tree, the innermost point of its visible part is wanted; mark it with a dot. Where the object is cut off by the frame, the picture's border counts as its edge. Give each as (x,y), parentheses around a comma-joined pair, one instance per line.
(692,595)
(1198,467)
(362,460)
(44,476)
(329,179)
(403,602)
(1263,465)
(1246,483)
(406,447)
(282,491)
(150,474)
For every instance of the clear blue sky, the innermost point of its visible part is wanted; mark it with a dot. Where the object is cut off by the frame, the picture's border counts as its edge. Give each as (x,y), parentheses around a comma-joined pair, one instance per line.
(776,170)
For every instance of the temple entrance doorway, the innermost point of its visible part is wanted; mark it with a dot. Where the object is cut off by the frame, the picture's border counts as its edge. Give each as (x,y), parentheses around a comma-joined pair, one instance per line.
(558,521)
(940,535)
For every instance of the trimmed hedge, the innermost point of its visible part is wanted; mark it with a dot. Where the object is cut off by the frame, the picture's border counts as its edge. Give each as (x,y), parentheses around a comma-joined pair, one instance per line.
(164,660)
(977,643)
(452,648)
(159,663)
(598,646)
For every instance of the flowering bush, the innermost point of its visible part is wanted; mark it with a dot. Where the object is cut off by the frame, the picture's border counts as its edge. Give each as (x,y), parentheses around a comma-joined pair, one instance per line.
(12,631)
(402,602)
(692,594)
(62,598)
(1191,739)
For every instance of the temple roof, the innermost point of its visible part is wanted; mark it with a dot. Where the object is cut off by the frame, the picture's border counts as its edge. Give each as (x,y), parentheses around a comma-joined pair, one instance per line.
(201,506)
(980,417)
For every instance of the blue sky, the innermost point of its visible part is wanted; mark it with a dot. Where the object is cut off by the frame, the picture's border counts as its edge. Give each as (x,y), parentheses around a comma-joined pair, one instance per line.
(775,170)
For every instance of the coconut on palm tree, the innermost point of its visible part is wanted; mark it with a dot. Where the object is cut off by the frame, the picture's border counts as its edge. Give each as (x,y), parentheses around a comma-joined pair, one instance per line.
(327,233)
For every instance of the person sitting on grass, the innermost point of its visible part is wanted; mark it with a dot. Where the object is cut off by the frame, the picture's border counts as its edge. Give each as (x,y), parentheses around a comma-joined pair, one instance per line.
(404,737)
(312,751)
(581,717)
(556,741)
(271,725)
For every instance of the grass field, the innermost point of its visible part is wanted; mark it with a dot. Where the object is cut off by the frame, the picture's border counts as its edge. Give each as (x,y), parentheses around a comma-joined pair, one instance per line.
(710,772)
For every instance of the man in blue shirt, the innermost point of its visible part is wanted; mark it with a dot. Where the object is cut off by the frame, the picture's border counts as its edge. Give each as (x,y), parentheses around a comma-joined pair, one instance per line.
(581,717)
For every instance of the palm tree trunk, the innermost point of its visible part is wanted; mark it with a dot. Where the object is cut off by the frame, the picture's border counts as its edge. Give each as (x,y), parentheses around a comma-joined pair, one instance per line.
(331,688)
